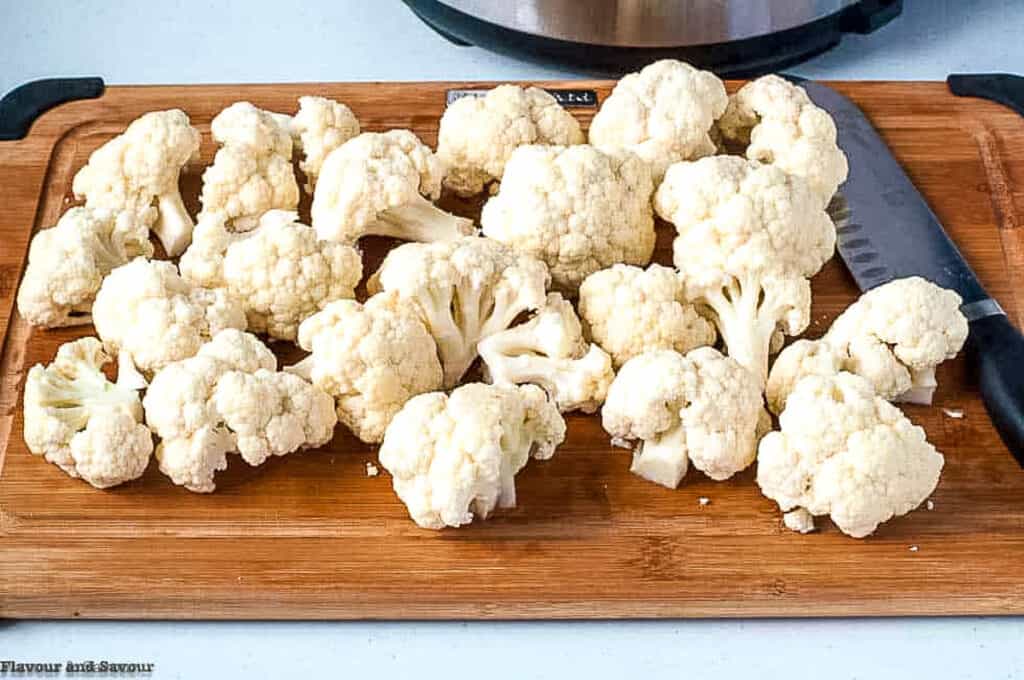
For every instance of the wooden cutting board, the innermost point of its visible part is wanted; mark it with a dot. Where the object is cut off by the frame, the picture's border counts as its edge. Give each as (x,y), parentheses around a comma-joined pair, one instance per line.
(312,536)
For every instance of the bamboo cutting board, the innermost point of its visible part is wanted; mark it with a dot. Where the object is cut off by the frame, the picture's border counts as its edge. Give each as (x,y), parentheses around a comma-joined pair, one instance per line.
(312,536)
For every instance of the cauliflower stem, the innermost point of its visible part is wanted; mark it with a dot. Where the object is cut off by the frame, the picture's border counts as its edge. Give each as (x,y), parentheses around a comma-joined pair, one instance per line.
(88,390)
(746,316)
(420,220)
(662,459)
(174,225)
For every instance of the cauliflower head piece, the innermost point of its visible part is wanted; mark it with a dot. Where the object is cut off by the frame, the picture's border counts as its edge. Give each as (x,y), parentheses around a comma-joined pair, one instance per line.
(843,451)
(321,126)
(279,272)
(576,208)
(464,291)
(135,177)
(894,336)
(273,413)
(549,351)
(665,113)
(478,134)
(779,124)
(382,183)
(701,407)
(80,421)
(750,236)
(229,398)
(371,358)
(252,171)
(628,311)
(146,310)
(67,263)
(454,457)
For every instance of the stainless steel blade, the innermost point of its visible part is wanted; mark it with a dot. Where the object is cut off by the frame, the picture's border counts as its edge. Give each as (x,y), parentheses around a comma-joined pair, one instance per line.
(886,229)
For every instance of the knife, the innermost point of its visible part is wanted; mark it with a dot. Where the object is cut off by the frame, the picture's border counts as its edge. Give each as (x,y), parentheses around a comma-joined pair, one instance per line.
(887,231)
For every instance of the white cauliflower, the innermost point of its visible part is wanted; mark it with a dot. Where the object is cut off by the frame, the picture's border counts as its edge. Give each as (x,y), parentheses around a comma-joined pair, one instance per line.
(279,272)
(135,176)
(67,263)
(664,114)
(779,124)
(321,126)
(80,421)
(382,184)
(371,358)
(230,399)
(455,457)
(628,311)
(846,452)
(702,408)
(749,238)
(576,208)
(273,413)
(464,290)
(252,171)
(146,310)
(478,134)
(895,336)
(549,350)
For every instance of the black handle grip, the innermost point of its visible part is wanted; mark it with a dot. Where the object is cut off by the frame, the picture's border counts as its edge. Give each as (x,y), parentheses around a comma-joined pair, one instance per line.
(997,349)
(1003,88)
(21,106)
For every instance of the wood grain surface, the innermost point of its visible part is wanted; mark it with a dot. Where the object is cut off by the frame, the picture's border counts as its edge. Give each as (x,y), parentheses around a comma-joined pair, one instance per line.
(311,536)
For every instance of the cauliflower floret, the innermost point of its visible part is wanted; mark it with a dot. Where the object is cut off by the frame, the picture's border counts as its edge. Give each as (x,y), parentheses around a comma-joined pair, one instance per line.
(145,310)
(379,183)
(702,407)
(802,358)
(229,398)
(749,238)
(779,124)
(371,358)
(478,134)
(628,311)
(279,272)
(576,208)
(549,350)
(67,263)
(464,290)
(273,414)
(321,126)
(135,176)
(845,452)
(455,457)
(80,421)
(664,114)
(252,171)
(894,336)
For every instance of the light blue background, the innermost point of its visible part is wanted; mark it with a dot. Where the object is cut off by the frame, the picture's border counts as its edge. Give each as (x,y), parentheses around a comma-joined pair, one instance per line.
(323,40)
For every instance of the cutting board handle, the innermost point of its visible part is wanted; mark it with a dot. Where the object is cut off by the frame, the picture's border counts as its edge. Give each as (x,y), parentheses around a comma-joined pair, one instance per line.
(1003,88)
(21,106)
(997,349)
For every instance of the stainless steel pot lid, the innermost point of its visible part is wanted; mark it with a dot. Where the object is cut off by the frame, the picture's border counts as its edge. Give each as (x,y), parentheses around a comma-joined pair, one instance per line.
(649,23)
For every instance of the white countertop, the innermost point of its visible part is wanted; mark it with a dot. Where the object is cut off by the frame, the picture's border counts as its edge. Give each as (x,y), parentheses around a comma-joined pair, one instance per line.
(180,41)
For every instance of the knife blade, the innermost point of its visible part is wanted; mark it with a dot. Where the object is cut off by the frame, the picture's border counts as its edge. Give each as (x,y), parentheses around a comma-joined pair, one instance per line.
(886,230)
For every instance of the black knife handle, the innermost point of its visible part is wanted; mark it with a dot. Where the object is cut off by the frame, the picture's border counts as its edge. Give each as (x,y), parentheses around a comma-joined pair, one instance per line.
(996,347)
(1003,88)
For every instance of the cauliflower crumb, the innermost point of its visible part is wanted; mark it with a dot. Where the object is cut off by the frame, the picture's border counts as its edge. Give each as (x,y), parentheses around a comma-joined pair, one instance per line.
(371,469)
(704,501)
(929,504)
(956,413)
(914,548)
(621,443)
